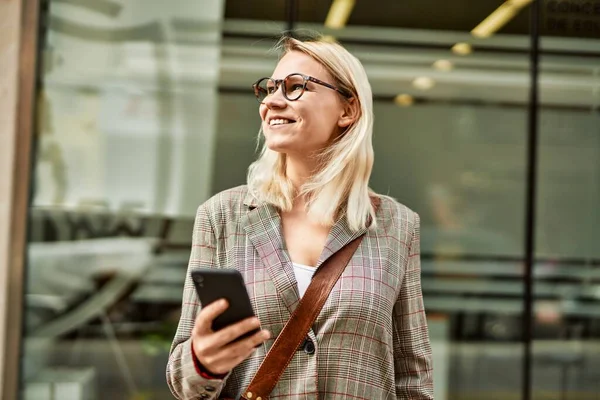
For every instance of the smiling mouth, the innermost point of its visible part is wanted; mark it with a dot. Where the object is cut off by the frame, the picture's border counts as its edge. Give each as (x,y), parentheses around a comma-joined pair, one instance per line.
(280,121)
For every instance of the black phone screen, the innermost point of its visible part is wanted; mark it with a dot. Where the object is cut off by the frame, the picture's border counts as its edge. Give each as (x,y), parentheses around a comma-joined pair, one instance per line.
(214,284)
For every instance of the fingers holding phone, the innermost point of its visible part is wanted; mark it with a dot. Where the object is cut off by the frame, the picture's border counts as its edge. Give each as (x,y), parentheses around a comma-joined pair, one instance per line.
(226,330)
(219,351)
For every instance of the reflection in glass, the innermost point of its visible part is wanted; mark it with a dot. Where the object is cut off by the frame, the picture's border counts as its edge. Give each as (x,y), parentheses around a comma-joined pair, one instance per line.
(146,110)
(126,133)
(567,276)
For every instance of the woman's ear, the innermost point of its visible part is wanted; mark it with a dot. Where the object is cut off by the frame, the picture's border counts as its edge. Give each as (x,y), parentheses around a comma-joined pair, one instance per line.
(350,113)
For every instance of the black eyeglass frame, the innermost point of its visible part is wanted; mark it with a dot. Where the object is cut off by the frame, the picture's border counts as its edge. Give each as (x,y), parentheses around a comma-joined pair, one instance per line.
(306,79)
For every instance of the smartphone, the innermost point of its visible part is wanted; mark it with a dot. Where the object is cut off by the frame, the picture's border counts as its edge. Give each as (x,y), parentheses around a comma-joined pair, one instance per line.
(214,284)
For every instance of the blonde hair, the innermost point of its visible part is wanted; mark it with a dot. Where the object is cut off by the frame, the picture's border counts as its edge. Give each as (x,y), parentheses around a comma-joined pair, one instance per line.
(341,186)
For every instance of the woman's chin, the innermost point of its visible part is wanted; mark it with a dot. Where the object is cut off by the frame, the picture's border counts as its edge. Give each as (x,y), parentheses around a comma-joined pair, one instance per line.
(280,146)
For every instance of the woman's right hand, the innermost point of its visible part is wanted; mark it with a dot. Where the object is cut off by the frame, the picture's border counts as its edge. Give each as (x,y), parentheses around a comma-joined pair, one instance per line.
(214,349)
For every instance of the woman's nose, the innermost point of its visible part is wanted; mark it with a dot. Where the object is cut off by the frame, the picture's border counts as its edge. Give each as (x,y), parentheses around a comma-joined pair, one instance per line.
(275,100)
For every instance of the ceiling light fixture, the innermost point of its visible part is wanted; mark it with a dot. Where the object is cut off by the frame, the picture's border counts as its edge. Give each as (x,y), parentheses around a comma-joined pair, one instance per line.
(339,12)
(443,65)
(404,100)
(499,18)
(423,83)
(462,49)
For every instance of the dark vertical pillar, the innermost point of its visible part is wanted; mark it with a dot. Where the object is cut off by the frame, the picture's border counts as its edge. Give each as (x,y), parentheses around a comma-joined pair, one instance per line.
(291,15)
(532,159)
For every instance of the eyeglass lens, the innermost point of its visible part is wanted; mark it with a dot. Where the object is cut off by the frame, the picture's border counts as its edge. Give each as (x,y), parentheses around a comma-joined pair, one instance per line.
(293,87)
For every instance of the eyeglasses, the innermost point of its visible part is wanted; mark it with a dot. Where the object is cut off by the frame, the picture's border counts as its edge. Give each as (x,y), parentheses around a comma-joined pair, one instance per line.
(294,86)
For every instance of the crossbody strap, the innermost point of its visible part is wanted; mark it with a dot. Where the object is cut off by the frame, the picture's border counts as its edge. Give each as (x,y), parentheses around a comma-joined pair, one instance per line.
(296,329)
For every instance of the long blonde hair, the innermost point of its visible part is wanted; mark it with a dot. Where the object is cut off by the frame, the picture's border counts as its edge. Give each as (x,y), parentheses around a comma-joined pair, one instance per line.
(341,186)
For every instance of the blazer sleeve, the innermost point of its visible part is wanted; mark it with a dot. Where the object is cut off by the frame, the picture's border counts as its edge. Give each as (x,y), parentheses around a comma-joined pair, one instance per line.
(412,350)
(183,377)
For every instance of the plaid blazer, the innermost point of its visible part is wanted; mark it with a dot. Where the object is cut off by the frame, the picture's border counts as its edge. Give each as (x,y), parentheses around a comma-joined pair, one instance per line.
(371,339)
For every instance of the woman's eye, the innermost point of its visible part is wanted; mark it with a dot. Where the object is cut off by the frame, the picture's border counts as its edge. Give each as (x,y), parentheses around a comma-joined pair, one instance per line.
(297,87)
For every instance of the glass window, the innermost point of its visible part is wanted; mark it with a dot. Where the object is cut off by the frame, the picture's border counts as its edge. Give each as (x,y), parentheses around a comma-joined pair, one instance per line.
(133,97)
(567,302)
(451,106)
(146,110)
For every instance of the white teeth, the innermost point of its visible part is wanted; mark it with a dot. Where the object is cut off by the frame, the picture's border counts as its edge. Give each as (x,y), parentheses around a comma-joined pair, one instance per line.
(279,122)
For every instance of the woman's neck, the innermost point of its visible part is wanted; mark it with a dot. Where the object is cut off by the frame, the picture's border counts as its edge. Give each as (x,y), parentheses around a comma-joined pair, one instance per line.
(299,171)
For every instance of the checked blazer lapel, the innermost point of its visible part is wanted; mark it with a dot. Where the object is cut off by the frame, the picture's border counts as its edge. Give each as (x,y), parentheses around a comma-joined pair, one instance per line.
(339,236)
(262,224)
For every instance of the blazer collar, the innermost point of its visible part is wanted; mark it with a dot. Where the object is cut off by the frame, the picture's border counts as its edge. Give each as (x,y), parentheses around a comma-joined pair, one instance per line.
(262,224)
(250,201)
(341,234)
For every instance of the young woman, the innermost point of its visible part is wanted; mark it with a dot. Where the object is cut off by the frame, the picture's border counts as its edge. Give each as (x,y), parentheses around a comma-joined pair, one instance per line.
(307,196)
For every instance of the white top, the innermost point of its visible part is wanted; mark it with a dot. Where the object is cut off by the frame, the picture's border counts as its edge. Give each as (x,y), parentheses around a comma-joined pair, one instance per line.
(303,274)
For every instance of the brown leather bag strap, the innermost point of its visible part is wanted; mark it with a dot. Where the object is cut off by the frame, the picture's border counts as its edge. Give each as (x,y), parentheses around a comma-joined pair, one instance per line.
(296,329)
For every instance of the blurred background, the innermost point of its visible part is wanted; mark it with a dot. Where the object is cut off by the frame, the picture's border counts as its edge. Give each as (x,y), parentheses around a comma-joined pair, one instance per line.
(145,110)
